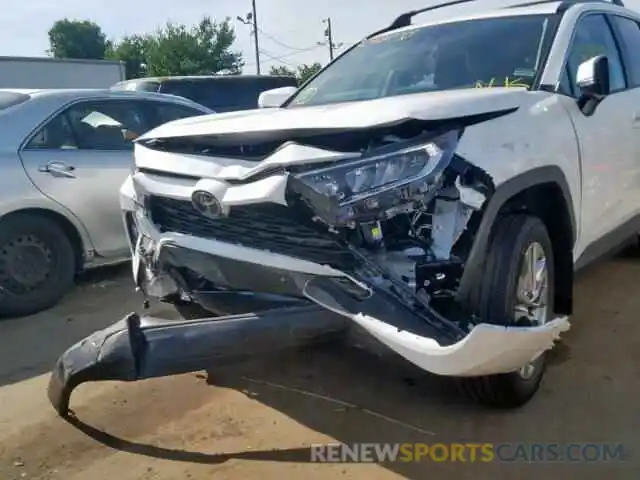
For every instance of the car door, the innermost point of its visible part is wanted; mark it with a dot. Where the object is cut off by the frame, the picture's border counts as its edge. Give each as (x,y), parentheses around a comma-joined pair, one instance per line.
(628,34)
(81,157)
(606,138)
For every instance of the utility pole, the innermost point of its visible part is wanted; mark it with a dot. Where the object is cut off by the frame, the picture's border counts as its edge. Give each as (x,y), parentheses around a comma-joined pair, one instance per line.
(255,35)
(328,34)
(252,20)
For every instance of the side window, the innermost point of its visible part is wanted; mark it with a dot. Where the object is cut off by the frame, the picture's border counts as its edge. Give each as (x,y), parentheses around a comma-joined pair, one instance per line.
(219,95)
(187,89)
(168,112)
(238,95)
(593,37)
(106,124)
(55,135)
(630,32)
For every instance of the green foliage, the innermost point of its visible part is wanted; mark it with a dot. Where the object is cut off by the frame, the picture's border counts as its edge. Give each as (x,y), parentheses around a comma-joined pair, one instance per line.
(175,49)
(132,50)
(283,71)
(77,39)
(307,71)
(303,73)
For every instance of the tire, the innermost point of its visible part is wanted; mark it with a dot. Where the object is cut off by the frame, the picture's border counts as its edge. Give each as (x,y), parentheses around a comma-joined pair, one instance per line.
(495,297)
(37,264)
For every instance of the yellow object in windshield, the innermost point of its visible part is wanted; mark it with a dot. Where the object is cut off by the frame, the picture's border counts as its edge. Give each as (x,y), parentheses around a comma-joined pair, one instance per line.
(508,82)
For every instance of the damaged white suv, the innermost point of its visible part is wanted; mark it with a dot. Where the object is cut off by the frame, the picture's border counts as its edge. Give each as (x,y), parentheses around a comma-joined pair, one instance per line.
(436,186)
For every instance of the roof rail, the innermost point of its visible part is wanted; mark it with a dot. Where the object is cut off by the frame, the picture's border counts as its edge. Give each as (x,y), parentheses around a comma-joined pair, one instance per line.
(404,20)
(565,4)
(530,4)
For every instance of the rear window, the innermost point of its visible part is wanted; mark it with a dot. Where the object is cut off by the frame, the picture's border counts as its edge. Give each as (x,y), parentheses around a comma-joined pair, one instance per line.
(223,95)
(10,99)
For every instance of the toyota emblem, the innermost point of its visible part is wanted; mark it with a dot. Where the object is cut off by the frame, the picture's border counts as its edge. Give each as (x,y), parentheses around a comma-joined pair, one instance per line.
(206,204)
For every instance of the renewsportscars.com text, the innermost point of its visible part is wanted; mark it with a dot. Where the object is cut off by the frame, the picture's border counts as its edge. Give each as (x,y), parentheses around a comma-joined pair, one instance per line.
(468,452)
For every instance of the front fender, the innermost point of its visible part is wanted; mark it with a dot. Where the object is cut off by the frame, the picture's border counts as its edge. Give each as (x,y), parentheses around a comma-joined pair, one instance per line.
(533,146)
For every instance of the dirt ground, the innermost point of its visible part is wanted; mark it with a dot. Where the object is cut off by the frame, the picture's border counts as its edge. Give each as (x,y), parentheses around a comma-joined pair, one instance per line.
(257,421)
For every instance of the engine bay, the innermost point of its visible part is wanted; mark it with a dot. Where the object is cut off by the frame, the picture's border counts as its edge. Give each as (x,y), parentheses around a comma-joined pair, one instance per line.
(421,242)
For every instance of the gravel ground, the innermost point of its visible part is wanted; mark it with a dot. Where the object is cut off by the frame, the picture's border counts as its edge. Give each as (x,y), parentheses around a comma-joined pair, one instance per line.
(256,421)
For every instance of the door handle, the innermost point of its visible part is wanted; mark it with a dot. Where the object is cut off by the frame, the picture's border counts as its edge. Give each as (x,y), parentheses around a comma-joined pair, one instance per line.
(58,169)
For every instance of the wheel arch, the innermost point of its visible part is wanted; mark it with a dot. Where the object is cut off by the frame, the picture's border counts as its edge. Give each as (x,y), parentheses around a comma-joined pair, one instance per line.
(543,192)
(67,226)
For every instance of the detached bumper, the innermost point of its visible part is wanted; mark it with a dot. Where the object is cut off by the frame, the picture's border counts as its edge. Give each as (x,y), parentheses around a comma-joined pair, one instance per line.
(137,348)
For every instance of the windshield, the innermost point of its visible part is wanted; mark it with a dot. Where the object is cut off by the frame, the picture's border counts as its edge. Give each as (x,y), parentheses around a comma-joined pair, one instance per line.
(492,52)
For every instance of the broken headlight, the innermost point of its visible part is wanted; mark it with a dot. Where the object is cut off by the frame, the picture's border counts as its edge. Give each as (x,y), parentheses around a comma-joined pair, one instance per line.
(373,187)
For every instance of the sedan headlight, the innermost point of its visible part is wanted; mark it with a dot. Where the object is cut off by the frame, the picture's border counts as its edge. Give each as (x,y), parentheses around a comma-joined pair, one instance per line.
(371,186)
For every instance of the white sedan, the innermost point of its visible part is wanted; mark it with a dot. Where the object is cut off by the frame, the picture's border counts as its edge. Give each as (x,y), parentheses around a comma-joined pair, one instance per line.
(63,156)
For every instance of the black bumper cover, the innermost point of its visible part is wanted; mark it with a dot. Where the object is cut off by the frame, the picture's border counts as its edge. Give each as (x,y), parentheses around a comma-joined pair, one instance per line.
(137,348)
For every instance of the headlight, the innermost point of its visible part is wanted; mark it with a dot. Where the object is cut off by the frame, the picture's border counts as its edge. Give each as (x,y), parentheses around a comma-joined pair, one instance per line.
(370,186)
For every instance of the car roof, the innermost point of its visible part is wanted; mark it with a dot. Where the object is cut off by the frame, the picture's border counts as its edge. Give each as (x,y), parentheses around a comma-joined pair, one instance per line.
(221,78)
(60,95)
(88,93)
(526,8)
(537,9)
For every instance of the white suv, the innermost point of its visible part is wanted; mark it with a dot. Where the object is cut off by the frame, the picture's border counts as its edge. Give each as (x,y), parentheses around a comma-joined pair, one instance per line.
(437,185)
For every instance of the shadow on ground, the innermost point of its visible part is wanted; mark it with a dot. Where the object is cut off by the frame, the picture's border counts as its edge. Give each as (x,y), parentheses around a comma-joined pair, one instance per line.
(589,395)
(29,346)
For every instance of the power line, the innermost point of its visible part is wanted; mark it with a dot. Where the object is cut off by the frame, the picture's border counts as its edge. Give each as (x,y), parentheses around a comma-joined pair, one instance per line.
(279,58)
(282,44)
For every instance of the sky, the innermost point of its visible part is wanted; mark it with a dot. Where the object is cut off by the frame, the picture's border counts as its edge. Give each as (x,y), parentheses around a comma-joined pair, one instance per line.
(290,29)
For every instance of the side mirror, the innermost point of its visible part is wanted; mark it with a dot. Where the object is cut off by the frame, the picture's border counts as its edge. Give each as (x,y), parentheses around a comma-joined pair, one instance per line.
(592,79)
(275,97)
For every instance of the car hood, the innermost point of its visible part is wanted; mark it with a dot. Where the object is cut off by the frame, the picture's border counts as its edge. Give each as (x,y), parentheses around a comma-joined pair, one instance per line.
(269,124)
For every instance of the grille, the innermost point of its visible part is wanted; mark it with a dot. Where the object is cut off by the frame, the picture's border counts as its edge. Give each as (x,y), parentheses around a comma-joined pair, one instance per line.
(263,227)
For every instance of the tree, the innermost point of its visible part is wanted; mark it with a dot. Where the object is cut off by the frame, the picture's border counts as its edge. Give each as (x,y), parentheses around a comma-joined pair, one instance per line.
(202,49)
(77,39)
(306,71)
(282,70)
(132,50)
(302,74)
(176,49)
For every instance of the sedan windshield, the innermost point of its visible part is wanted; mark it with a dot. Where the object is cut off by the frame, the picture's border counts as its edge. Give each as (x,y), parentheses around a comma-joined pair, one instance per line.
(492,52)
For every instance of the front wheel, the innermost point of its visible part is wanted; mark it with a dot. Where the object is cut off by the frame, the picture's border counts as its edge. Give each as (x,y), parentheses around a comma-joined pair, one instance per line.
(516,288)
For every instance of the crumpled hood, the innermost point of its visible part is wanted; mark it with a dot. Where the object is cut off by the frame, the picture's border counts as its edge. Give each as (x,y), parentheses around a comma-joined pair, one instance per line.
(352,115)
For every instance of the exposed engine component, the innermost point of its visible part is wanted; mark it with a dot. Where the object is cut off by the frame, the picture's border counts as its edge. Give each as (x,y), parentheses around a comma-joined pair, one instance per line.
(419,242)
(450,217)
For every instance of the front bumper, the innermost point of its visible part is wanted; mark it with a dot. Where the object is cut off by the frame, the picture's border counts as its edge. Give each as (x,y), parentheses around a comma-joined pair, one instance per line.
(138,348)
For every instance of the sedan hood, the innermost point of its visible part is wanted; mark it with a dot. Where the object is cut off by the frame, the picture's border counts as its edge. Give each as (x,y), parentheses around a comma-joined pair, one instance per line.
(273,124)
